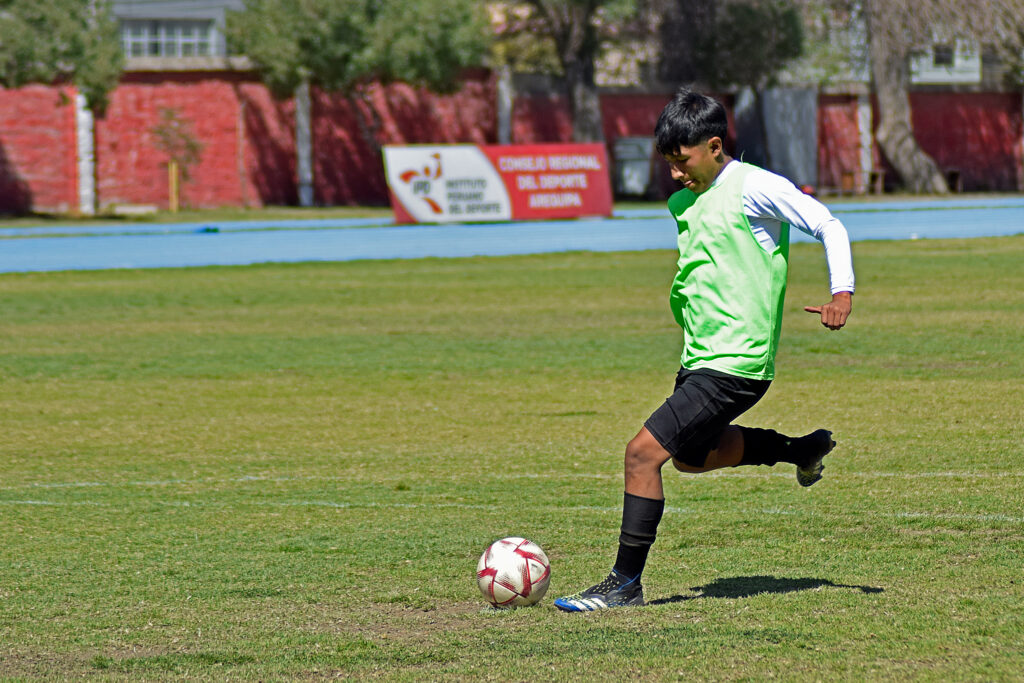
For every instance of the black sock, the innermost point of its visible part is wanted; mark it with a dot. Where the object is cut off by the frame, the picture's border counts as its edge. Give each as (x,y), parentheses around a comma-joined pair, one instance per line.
(765,447)
(640,519)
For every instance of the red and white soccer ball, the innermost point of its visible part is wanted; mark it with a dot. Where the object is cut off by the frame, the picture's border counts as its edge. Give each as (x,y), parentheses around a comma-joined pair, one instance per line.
(513,572)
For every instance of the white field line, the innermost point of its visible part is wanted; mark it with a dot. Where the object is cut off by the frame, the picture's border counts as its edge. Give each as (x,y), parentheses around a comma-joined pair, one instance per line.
(344,505)
(55,503)
(767,474)
(668,508)
(503,477)
(467,506)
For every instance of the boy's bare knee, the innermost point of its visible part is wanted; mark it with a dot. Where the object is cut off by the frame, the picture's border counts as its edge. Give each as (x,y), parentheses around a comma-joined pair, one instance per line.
(635,458)
(643,452)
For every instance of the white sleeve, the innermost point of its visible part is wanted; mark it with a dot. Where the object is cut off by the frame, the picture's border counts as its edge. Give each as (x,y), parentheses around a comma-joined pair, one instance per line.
(768,195)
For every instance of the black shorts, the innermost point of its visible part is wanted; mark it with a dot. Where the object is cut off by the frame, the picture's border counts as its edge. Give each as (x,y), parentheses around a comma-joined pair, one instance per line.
(690,421)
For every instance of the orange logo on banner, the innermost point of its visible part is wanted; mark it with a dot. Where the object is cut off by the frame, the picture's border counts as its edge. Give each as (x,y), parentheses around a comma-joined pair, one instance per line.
(421,185)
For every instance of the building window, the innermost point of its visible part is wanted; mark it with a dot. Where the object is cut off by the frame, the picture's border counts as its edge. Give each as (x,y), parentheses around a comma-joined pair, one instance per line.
(166,38)
(943,55)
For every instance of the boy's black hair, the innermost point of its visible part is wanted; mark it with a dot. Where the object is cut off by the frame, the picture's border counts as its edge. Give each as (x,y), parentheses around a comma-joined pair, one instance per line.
(689,119)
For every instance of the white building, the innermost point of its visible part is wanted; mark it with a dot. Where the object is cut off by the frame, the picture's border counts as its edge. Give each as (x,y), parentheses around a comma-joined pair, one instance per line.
(172,29)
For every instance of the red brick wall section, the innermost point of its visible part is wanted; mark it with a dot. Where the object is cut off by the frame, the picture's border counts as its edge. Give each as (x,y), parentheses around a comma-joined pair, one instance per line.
(248,155)
(628,115)
(133,170)
(268,140)
(346,167)
(539,119)
(37,150)
(247,138)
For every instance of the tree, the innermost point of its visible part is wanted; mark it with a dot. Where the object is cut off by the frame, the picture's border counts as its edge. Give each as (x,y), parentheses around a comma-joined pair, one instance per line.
(174,137)
(345,46)
(895,30)
(730,43)
(44,41)
(575,33)
(733,43)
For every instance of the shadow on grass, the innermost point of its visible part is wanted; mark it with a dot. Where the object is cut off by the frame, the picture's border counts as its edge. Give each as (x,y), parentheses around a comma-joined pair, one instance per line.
(746,586)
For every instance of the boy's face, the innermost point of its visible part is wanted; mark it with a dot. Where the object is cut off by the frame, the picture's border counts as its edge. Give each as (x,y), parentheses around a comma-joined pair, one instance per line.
(697,167)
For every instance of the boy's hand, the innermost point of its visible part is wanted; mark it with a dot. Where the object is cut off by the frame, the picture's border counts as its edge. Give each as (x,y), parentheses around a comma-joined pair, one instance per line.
(835,312)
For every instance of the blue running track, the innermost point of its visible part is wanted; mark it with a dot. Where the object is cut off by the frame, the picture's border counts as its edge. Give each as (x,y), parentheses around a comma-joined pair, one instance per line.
(174,245)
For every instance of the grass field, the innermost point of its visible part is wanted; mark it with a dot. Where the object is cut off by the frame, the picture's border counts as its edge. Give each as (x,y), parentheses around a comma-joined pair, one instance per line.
(282,472)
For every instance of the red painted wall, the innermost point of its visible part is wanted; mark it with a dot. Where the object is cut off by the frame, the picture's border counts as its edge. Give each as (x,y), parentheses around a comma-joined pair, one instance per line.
(838,141)
(37,149)
(977,134)
(545,117)
(540,118)
(347,170)
(631,115)
(268,142)
(248,155)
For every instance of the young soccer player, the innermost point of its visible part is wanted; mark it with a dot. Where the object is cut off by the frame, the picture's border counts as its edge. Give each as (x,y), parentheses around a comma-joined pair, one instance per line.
(733,220)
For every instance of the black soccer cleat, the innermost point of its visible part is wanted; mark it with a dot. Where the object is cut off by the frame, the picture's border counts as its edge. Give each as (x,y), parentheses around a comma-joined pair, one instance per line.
(816,445)
(614,591)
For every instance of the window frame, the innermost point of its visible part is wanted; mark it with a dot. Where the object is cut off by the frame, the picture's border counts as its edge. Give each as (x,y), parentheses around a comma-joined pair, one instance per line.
(167,38)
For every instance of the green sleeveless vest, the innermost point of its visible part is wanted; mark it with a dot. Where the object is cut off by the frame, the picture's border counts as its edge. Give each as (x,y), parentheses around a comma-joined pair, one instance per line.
(729,291)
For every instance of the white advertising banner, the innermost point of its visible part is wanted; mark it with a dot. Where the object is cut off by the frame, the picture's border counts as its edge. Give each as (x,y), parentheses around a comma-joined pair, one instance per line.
(446,184)
(478,183)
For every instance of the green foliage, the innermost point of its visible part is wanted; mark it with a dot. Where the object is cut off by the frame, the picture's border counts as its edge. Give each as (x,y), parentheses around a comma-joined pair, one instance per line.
(427,42)
(566,38)
(174,137)
(43,41)
(526,52)
(759,37)
(341,44)
(1010,51)
(541,36)
(102,59)
(732,43)
(835,49)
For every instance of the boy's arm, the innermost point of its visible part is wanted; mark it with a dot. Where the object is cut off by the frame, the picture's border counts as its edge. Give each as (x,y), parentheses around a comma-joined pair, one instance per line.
(769,195)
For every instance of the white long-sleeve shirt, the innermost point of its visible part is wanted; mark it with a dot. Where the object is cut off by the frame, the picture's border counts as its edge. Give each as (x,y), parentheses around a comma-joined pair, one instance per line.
(770,200)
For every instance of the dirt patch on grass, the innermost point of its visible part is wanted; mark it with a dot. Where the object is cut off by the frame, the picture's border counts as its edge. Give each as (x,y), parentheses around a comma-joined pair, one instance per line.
(67,665)
(404,623)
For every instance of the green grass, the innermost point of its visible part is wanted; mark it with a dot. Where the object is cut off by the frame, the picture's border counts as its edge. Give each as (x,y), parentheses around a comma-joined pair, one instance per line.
(289,471)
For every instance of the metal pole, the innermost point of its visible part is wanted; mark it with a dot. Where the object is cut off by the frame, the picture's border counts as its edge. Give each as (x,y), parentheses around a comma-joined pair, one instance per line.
(172,180)
(304,144)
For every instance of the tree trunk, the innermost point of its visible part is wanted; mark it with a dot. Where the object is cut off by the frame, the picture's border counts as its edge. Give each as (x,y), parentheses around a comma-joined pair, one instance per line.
(890,73)
(577,44)
(367,118)
(304,144)
(584,102)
